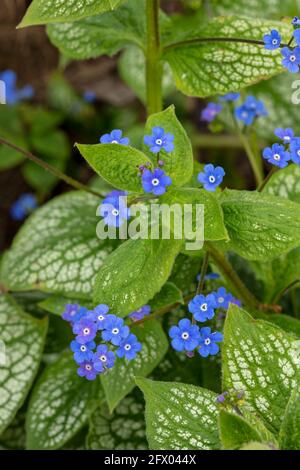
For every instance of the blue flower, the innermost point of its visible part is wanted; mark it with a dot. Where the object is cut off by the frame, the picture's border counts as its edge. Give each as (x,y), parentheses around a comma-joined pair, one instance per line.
(14,95)
(297,36)
(296,21)
(295,150)
(140,313)
(89,96)
(103,358)
(211,111)
(203,307)
(222,298)
(114,330)
(87,370)
(277,155)
(23,207)
(155,182)
(70,313)
(212,177)
(82,352)
(286,135)
(210,276)
(98,315)
(115,137)
(250,109)
(129,347)
(159,140)
(272,40)
(207,343)
(185,336)
(114,209)
(233,300)
(230,97)
(291,59)
(85,330)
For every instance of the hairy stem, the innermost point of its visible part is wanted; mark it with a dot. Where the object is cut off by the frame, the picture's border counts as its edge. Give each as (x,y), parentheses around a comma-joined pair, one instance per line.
(153,64)
(51,169)
(203,273)
(267,179)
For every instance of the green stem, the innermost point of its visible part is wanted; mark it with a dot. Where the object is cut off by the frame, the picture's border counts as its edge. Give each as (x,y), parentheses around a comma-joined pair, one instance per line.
(153,64)
(51,169)
(267,178)
(188,42)
(227,270)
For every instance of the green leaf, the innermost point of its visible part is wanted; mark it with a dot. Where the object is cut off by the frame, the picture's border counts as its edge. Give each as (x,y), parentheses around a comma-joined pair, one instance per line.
(13,437)
(134,273)
(133,72)
(262,8)
(125,429)
(45,11)
(11,128)
(60,405)
(262,360)
(184,273)
(235,431)
(22,340)
(260,226)
(169,294)
(204,68)
(257,446)
(103,34)
(285,183)
(179,163)
(180,416)
(120,380)
(55,251)
(289,437)
(214,228)
(117,164)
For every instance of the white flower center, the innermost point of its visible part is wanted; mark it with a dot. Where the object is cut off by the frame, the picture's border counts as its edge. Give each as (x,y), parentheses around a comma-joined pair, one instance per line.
(298,153)
(276,156)
(115,212)
(155,181)
(221,300)
(86,331)
(274,41)
(100,317)
(185,335)
(72,313)
(83,348)
(88,367)
(158,142)
(127,347)
(287,138)
(292,58)
(115,331)
(103,358)
(207,342)
(114,142)
(204,307)
(212,179)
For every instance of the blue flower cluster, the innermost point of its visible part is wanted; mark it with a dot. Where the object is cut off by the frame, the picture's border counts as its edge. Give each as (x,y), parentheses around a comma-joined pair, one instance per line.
(280,154)
(211,177)
(94,359)
(246,112)
(13,94)
(187,336)
(23,206)
(291,55)
(154,181)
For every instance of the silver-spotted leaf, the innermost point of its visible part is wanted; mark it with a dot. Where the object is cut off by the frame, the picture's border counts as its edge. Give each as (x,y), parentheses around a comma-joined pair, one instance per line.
(180,416)
(21,345)
(57,249)
(203,67)
(120,380)
(53,11)
(60,405)
(263,361)
(289,437)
